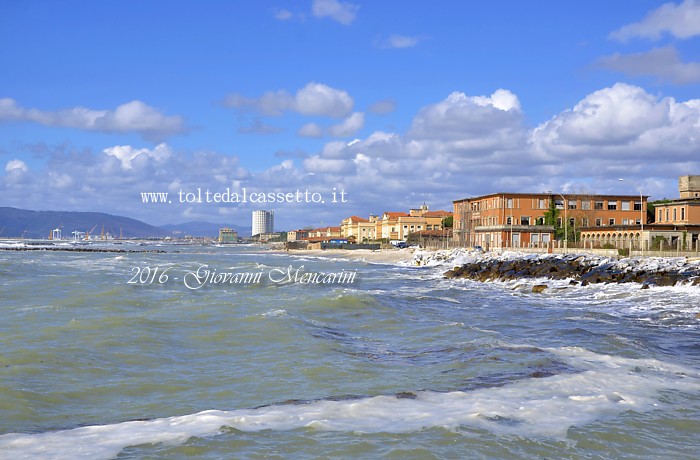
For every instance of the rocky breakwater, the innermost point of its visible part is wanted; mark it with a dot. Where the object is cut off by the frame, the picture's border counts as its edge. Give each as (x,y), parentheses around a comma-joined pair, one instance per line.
(581,270)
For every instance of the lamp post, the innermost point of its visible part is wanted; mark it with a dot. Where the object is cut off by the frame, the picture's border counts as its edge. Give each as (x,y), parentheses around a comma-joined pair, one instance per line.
(641,216)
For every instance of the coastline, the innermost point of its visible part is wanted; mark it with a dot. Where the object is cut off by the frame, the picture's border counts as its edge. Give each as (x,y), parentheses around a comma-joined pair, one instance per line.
(378,256)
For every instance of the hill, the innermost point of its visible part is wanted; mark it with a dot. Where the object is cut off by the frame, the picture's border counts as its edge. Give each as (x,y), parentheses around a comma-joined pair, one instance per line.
(17,223)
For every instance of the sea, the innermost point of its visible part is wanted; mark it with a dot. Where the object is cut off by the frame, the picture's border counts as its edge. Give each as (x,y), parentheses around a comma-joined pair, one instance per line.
(178,351)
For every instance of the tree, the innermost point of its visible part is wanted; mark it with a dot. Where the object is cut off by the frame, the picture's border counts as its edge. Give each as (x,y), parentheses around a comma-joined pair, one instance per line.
(447,222)
(551,217)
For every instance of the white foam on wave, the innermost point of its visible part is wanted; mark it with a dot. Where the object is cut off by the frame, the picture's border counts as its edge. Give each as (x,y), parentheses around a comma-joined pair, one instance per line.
(605,386)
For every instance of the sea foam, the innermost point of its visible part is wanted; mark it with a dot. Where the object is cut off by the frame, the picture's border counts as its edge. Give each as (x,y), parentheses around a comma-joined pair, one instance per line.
(602,386)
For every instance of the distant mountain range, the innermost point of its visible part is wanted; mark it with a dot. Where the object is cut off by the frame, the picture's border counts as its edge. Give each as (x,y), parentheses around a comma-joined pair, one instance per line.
(17,223)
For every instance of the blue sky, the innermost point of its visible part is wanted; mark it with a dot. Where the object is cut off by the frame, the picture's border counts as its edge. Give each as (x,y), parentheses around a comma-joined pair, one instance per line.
(397,103)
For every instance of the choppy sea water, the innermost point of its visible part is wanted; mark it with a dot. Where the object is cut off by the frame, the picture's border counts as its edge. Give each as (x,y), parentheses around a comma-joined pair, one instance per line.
(400,363)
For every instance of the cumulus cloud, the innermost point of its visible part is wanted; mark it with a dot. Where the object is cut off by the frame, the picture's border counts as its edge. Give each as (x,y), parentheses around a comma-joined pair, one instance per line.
(126,154)
(134,116)
(349,126)
(342,12)
(679,20)
(623,123)
(663,63)
(482,121)
(460,146)
(16,166)
(310,130)
(313,99)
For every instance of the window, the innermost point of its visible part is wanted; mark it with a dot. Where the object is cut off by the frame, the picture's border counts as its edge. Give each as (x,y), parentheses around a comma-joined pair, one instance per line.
(559,221)
(666,214)
(599,222)
(572,222)
(586,205)
(598,206)
(674,214)
(637,205)
(525,220)
(660,215)
(584,222)
(572,204)
(540,221)
(509,220)
(625,221)
(611,221)
(559,204)
(612,205)
(541,204)
(625,205)
(682,213)
(509,203)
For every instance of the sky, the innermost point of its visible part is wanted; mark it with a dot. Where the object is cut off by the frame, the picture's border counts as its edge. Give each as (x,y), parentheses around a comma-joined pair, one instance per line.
(324,109)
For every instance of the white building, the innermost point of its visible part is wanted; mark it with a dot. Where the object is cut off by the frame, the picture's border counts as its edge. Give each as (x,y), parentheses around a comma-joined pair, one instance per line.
(263,222)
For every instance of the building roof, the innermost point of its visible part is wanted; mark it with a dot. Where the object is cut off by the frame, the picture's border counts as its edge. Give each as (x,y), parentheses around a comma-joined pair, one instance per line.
(394,215)
(549,195)
(436,214)
(356,219)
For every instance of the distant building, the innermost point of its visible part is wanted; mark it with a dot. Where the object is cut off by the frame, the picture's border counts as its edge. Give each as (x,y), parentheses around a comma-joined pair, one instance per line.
(227,235)
(263,222)
(265,237)
(393,225)
(296,235)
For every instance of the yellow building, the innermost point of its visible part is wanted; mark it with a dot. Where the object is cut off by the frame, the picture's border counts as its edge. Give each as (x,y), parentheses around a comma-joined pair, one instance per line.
(393,226)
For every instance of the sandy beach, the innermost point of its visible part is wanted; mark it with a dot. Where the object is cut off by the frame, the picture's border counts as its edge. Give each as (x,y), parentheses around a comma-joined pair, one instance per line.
(387,256)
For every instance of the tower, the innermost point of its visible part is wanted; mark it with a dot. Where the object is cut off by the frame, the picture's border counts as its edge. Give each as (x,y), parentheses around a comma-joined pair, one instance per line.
(263,222)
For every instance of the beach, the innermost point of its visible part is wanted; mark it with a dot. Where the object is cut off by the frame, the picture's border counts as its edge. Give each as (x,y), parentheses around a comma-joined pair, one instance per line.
(378,256)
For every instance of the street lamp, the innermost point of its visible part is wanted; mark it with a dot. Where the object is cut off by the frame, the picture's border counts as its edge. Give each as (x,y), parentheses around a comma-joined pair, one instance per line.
(641,214)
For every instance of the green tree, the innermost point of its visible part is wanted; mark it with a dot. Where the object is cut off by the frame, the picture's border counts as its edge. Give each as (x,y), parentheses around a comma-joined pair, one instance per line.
(564,231)
(447,222)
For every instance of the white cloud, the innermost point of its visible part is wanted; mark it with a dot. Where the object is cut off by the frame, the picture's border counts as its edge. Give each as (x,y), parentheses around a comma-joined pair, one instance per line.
(623,123)
(318,165)
(320,99)
(484,122)
(134,116)
(680,20)
(400,41)
(349,126)
(663,63)
(460,146)
(126,154)
(16,166)
(310,130)
(343,12)
(313,99)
